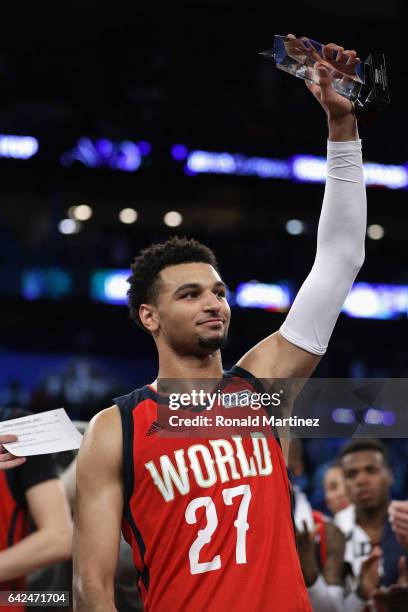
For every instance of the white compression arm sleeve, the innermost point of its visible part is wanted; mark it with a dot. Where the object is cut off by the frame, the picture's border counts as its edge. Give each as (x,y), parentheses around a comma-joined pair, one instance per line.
(339,254)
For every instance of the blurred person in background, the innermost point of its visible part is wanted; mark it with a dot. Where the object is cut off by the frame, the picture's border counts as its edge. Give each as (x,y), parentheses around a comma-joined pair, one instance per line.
(320,544)
(369,563)
(35,524)
(177,295)
(335,489)
(14,394)
(373,554)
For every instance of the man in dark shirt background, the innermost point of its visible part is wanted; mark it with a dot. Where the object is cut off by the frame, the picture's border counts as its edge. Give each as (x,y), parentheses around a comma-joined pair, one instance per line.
(35,521)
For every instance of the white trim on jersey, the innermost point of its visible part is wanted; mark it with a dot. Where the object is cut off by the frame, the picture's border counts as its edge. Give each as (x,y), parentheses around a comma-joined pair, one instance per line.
(358,544)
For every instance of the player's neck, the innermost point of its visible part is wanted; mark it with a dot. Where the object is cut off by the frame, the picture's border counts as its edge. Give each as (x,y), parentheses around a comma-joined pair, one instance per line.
(173,365)
(372,517)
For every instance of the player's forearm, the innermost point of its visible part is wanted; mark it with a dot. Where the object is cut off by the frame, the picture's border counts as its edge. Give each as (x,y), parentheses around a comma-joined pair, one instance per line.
(343,219)
(37,550)
(91,596)
(339,253)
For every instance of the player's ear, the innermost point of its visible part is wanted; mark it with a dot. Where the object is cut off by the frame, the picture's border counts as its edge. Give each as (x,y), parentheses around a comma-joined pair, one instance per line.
(149,316)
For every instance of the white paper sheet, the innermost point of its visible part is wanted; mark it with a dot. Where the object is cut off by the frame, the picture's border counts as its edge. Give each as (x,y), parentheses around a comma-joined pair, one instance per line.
(38,434)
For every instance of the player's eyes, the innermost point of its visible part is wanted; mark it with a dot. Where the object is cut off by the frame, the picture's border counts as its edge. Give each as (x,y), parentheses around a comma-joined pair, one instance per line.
(195,294)
(190,294)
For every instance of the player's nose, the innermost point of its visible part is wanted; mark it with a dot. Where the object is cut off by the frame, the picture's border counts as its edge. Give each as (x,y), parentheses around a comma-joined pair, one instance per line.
(361,479)
(211,302)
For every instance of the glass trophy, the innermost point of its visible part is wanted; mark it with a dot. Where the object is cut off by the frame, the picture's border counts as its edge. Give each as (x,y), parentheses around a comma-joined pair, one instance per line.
(364,83)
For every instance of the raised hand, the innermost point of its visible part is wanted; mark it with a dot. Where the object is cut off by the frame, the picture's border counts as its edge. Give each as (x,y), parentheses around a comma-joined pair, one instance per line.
(395,598)
(339,110)
(369,575)
(305,542)
(398,515)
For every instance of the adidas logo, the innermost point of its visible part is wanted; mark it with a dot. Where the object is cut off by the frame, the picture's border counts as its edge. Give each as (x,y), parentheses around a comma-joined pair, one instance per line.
(154,428)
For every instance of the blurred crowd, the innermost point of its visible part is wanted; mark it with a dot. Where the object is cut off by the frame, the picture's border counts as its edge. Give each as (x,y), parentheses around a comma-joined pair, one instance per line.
(350,513)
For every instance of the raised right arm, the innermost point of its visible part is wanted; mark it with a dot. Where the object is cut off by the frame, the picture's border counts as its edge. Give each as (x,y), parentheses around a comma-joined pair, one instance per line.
(98,513)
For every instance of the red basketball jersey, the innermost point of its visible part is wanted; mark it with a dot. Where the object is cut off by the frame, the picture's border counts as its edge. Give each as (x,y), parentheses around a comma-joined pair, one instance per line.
(13,528)
(208,518)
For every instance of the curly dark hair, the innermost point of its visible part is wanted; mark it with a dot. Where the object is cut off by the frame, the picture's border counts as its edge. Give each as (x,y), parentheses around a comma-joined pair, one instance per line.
(145,282)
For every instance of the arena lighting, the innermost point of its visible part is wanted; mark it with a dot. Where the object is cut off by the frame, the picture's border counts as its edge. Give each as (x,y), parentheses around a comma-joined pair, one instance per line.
(81,212)
(144,147)
(128,215)
(389,418)
(374,416)
(377,301)
(46,283)
(343,416)
(69,226)
(234,163)
(103,153)
(365,300)
(311,169)
(18,147)
(261,295)
(110,286)
(295,227)
(369,301)
(375,231)
(300,168)
(179,152)
(173,218)
(386,175)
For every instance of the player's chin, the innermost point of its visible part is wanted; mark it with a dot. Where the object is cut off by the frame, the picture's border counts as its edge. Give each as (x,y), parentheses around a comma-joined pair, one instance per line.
(213,340)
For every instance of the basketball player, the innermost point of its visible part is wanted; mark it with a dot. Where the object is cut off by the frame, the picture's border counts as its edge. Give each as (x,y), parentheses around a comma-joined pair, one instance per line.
(209,520)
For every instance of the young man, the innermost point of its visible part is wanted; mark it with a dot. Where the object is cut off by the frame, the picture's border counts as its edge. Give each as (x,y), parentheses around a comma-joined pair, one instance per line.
(370,551)
(365,524)
(198,542)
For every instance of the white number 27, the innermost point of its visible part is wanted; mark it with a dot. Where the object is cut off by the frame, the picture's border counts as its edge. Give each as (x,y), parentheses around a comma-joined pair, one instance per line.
(204,535)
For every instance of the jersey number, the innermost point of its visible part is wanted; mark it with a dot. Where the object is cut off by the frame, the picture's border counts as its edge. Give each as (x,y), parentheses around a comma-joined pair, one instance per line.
(204,535)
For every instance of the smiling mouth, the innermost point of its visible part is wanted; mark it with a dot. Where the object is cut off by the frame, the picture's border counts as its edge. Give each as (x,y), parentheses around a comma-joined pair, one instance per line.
(211,322)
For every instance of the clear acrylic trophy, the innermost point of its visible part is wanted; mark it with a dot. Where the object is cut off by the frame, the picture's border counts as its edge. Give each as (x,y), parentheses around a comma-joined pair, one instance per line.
(364,83)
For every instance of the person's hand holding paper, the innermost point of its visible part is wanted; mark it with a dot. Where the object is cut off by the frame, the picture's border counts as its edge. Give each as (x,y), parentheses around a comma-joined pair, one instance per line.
(38,434)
